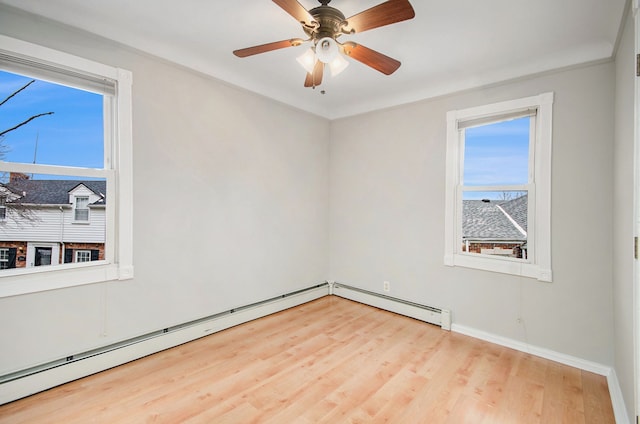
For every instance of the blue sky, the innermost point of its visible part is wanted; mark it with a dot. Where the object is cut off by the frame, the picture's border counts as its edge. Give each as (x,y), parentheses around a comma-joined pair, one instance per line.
(496,154)
(72,136)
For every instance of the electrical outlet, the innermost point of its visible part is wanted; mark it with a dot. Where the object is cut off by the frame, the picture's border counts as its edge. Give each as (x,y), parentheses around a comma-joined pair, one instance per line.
(386,286)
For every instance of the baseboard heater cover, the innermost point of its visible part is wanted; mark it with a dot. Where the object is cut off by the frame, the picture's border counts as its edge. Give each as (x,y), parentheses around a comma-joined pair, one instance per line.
(430,314)
(26,382)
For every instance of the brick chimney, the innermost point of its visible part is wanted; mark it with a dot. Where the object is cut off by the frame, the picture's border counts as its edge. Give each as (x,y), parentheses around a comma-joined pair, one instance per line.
(17,176)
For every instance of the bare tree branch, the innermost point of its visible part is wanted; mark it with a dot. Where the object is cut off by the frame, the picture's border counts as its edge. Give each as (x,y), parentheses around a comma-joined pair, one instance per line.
(25,122)
(16,92)
(17,211)
(21,214)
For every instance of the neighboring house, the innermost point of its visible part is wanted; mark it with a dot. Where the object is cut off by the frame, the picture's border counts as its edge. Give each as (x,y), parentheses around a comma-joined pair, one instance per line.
(495,227)
(48,222)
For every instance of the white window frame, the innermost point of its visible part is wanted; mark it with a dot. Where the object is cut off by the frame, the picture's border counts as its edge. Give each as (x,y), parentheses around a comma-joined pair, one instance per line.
(4,256)
(538,264)
(3,207)
(117,171)
(78,252)
(76,209)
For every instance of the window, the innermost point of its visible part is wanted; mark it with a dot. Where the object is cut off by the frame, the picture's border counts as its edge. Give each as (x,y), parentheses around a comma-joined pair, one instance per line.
(43,256)
(96,165)
(497,210)
(82,209)
(3,208)
(83,255)
(8,257)
(4,258)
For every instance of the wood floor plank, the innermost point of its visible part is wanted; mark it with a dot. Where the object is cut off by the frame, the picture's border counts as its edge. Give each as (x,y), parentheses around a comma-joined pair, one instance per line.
(563,400)
(597,403)
(328,361)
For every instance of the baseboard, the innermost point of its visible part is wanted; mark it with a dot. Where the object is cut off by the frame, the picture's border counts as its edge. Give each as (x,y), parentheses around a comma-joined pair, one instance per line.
(615,392)
(42,378)
(430,314)
(47,377)
(617,400)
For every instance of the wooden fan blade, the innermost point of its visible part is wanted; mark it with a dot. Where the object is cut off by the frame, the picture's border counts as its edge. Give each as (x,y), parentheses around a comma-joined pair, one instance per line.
(263,48)
(386,13)
(372,58)
(295,9)
(315,79)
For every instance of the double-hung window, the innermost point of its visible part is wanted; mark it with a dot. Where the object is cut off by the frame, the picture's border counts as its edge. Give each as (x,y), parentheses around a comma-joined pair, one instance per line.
(77,140)
(4,258)
(82,208)
(497,210)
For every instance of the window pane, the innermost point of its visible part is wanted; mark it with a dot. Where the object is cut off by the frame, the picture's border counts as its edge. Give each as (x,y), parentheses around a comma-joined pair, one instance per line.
(41,223)
(495,223)
(82,214)
(83,256)
(82,209)
(72,135)
(497,154)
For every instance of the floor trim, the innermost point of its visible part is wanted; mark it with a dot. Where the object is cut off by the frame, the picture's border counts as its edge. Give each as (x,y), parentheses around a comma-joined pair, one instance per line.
(615,391)
(430,314)
(617,400)
(28,382)
(25,383)
(395,305)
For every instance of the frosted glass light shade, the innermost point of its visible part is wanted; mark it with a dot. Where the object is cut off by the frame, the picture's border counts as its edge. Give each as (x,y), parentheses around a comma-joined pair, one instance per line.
(338,65)
(307,60)
(327,49)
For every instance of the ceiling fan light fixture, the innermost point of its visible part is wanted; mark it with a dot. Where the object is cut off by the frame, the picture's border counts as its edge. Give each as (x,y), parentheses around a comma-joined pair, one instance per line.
(324,24)
(307,60)
(338,65)
(327,49)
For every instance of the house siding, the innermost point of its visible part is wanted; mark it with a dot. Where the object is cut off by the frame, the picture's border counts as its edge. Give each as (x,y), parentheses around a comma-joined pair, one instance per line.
(53,225)
(91,232)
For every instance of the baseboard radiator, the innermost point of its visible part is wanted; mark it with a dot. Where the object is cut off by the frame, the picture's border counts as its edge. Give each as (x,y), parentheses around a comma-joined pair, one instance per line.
(430,314)
(32,380)
(26,382)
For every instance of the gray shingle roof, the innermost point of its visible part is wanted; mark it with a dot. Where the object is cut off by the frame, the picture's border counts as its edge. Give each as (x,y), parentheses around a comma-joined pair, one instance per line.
(489,221)
(517,210)
(53,192)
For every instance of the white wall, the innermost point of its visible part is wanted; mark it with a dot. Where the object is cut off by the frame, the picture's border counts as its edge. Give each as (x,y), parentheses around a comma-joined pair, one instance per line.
(623,215)
(387,215)
(229,207)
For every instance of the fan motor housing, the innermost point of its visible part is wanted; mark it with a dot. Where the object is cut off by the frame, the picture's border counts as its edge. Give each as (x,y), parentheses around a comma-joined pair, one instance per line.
(330,20)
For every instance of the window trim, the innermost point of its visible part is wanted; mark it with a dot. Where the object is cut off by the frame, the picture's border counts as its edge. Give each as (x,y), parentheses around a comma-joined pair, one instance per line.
(3,207)
(4,250)
(540,189)
(118,167)
(76,209)
(77,253)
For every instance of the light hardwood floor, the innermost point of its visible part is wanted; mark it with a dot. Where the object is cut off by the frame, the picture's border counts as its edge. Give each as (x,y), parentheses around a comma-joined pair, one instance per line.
(328,361)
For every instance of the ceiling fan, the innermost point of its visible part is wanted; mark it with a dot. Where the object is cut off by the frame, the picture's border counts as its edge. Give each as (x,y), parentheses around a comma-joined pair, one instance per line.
(324,24)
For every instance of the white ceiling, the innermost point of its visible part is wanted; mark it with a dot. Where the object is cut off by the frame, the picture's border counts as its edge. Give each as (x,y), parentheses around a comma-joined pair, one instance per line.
(449,46)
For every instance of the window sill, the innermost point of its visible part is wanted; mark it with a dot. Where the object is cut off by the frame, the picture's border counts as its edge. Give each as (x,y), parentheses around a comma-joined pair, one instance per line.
(32,280)
(500,265)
